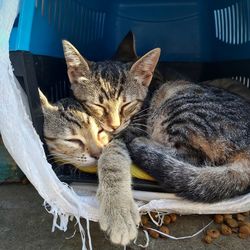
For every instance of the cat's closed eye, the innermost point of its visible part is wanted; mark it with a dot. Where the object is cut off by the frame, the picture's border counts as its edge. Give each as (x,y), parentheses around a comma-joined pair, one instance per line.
(128,109)
(76,141)
(97,109)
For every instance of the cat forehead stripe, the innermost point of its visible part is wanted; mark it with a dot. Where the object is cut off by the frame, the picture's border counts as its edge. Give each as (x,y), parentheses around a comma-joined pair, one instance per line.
(70,118)
(105,85)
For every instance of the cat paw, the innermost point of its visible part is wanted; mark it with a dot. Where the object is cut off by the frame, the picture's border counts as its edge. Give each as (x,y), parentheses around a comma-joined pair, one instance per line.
(119,219)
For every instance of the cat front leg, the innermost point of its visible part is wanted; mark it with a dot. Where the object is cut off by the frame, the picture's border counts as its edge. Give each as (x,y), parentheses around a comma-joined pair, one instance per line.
(119,215)
(147,153)
(157,160)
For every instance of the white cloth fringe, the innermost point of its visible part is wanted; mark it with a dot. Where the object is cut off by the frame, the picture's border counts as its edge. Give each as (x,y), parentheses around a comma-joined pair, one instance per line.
(183,237)
(24,145)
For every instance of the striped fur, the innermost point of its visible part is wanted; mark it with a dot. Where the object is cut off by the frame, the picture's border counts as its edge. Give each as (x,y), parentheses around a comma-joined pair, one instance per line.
(199,143)
(71,135)
(111,91)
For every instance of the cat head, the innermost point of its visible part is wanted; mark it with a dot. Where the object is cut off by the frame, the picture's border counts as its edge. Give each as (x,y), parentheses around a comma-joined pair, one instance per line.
(71,135)
(111,91)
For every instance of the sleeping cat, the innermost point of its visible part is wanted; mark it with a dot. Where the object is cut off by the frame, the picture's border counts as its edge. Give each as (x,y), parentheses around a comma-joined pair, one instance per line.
(199,142)
(198,147)
(71,135)
(74,137)
(113,92)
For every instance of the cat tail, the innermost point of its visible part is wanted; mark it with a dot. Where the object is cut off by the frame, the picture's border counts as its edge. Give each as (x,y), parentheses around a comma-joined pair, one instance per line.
(201,184)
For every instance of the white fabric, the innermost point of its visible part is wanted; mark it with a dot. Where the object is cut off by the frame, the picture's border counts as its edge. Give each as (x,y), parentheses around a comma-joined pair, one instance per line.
(164,202)
(24,145)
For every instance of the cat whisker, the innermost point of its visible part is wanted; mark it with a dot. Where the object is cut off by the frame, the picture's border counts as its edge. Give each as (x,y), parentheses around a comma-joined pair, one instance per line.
(139,124)
(142,130)
(54,154)
(57,162)
(59,158)
(138,120)
(143,110)
(141,115)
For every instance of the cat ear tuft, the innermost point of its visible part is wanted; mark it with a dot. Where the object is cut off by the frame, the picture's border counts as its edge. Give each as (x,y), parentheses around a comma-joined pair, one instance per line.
(126,51)
(76,64)
(142,70)
(44,101)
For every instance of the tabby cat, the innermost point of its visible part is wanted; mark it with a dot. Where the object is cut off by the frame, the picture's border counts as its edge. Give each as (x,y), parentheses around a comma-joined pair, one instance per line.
(75,138)
(113,92)
(199,142)
(71,135)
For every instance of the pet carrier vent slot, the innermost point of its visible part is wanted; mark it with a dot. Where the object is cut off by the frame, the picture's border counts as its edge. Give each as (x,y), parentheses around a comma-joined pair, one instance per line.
(232,24)
(58,91)
(83,24)
(242,79)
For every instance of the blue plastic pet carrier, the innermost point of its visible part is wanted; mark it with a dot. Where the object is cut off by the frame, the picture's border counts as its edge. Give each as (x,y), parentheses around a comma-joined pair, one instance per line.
(187,30)
(205,39)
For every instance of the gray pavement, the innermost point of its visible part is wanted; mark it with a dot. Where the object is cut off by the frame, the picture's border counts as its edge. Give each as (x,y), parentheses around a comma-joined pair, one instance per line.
(24,224)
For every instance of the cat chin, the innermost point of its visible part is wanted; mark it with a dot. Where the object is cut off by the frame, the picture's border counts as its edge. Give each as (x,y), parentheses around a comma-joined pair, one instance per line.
(116,131)
(88,163)
(89,167)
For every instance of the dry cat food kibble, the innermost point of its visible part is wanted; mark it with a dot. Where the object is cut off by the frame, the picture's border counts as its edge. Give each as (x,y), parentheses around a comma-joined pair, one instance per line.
(147,223)
(213,233)
(167,220)
(234,224)
(144,219)
(231,223)
(208,239)
(173,217)
(225,225)
(225,230)
(164,230)
(244,230)
(218,218)
(153,234)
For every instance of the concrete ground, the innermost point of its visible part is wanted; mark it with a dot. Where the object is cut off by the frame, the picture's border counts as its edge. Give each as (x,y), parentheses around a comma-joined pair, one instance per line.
(24,224)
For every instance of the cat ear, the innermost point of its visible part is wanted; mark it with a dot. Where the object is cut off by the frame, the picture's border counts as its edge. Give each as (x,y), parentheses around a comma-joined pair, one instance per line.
(44,101)
(126,51)
(76,64)
(142,70)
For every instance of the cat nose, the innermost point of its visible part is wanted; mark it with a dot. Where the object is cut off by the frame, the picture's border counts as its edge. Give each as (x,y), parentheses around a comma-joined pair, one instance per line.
(114,121)
(96,154)
(114,127)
